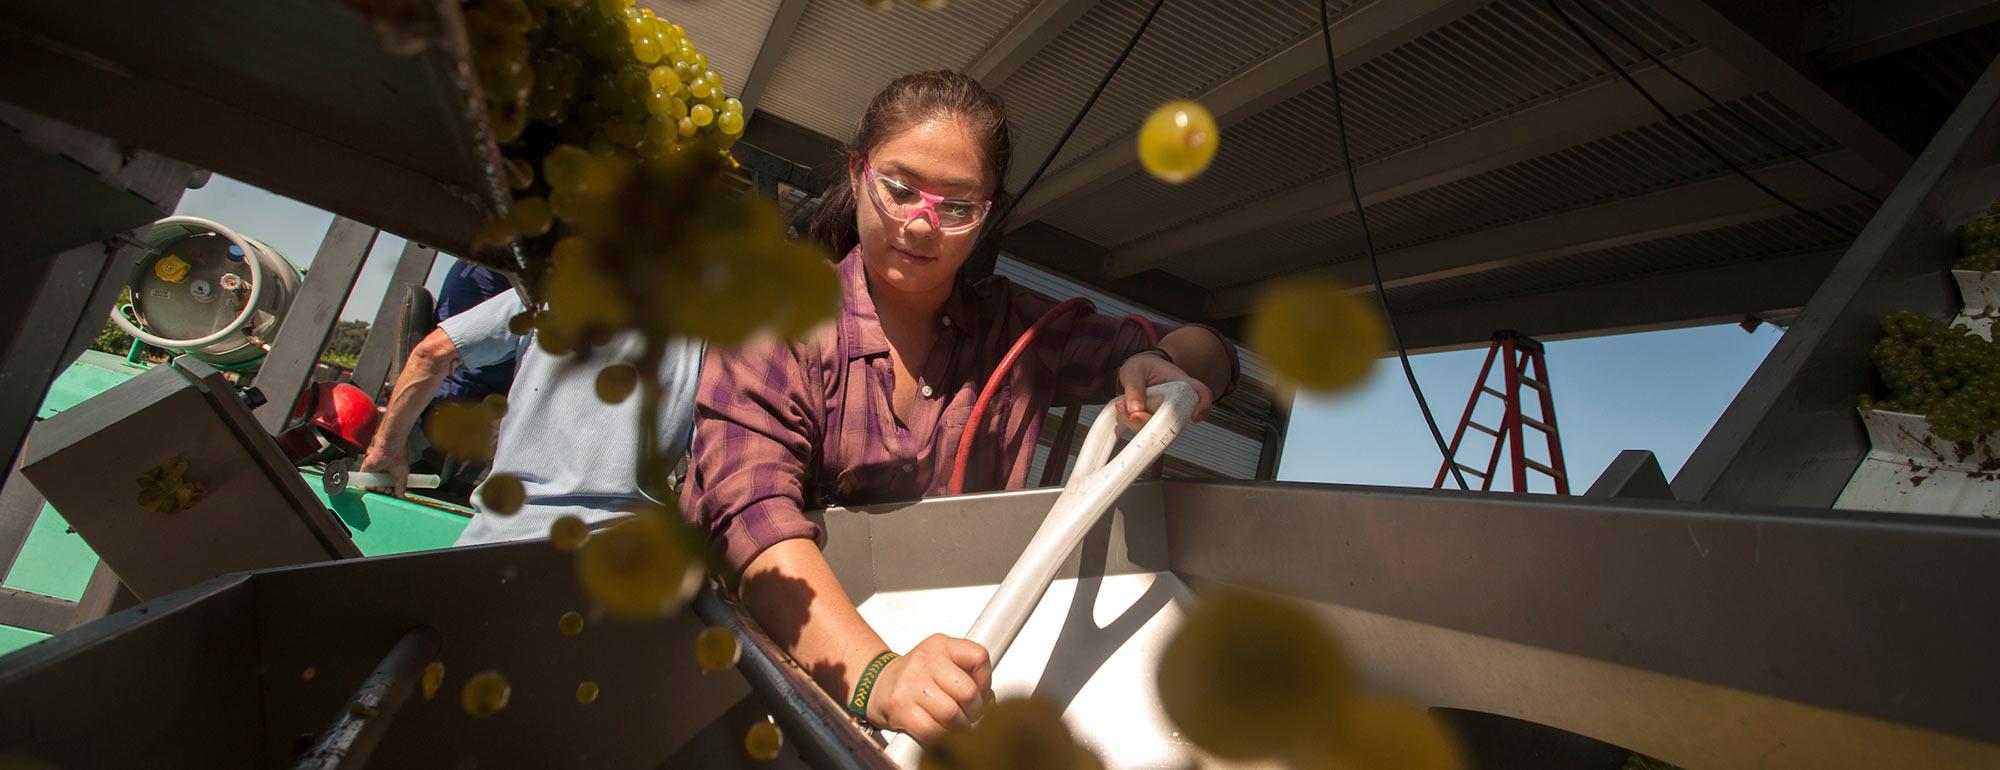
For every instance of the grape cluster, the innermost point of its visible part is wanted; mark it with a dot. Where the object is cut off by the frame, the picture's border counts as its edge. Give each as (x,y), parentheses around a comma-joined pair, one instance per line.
(1979,243)
(1945,373)
(616,139)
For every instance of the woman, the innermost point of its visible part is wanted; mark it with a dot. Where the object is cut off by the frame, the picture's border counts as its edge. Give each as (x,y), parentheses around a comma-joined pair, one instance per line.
(871,408)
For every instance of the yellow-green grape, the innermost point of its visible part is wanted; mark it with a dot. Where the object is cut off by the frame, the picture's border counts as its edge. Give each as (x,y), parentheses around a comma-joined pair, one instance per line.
(565,165)
(461,430)
(531,216)
(513,13)
(1177,141)
(626,132)
(498,232)
(660,102)
(522,323)
(732,104)
(586,693)
(702,87)
(570,624)
(494,406)
(1252,676)
(701,115)
(502,493)
(716,649)
(568,533)
(1315,333)
(662,131)
(663,78)
(1377,733)
(687,125)
(433,679)
(640,567)
(612,8)
(647,49)
(485,694)
(763,741)
(1012,734)
(729,123)
(616,382)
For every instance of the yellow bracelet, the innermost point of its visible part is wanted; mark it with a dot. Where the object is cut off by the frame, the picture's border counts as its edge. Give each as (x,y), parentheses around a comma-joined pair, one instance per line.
(865,686)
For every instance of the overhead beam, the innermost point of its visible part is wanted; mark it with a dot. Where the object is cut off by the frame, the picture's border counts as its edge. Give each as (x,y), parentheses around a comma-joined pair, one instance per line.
(1675,300)
(1843,32)
(1024,39)
(1592,110)
(1770,57)
(1358,36)
(1697,206)
(777,39)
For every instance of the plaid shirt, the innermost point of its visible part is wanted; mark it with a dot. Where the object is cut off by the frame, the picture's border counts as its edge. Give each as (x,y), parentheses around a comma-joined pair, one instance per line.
(785,426)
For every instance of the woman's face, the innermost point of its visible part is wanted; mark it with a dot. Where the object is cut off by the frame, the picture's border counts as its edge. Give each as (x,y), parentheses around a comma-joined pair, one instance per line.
(913,256)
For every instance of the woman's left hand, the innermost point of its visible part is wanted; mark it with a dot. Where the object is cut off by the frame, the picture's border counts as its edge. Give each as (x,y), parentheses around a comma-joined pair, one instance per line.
(1143,371)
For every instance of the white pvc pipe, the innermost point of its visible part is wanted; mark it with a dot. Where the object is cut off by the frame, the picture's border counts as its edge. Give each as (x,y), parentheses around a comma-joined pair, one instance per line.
(1093,486)
(250,257)
(359,479)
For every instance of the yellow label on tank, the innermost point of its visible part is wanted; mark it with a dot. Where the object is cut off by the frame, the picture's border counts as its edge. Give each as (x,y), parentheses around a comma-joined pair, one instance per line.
(171,268)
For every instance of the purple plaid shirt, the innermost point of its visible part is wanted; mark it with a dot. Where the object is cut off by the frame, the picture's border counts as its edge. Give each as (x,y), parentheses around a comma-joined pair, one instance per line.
(781,427)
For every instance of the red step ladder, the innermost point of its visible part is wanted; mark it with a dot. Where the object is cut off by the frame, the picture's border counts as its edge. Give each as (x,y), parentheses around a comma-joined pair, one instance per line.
(1518,353)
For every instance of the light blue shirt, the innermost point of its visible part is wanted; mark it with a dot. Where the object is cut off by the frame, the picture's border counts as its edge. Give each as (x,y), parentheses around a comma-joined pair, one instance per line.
(574,453)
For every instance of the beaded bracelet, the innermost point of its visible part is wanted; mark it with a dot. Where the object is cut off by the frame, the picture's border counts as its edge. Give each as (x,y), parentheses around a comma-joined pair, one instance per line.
(865,686)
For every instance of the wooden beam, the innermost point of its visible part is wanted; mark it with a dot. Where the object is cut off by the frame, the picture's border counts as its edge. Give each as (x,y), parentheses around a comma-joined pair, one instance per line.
(1025,38)
(777,38)
(1706,204)
(1359,35)
(1589,111)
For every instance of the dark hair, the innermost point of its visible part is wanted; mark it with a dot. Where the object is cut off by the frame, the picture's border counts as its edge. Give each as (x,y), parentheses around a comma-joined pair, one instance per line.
(906,102)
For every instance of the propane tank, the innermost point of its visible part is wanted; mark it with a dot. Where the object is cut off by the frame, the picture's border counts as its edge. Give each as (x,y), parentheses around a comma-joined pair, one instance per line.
(208,291)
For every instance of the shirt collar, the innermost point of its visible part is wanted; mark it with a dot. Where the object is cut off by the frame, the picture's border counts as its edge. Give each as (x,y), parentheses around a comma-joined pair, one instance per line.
(860,324)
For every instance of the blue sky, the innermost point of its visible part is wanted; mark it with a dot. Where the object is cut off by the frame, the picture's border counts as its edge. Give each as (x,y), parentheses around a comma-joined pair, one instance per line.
(1653,390)
(1656,390)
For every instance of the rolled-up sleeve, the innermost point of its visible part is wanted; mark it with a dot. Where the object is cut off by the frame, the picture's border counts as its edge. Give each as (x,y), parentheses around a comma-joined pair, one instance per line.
(1095,345)
(753,431)
(481,334)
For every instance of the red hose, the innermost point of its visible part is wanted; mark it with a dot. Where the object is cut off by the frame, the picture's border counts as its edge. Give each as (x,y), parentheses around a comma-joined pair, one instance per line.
(993,386)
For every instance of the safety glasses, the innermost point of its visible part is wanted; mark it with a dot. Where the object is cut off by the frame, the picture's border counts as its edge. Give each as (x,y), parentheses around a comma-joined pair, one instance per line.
(904,203)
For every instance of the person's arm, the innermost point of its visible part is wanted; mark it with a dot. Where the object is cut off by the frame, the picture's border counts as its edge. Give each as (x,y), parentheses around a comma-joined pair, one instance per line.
(1196,354)
(475,337)
(430,362)
(756,422)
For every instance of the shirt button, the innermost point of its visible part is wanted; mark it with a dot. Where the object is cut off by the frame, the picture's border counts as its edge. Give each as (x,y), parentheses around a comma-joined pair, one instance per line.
(909,468)
(927,391)
(947,320)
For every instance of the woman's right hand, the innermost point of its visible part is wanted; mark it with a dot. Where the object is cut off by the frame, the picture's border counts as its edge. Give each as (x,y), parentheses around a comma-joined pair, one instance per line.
(941,683)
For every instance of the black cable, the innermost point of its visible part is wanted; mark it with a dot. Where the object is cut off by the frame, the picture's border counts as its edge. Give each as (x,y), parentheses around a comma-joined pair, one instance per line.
(1368,246)
(999,222)
(1726,109)
(1690,132)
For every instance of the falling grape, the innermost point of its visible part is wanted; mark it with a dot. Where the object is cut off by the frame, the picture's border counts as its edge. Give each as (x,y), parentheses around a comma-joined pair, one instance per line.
(1251,676)
(433,679)
(1012,734)
(485,694)
(568,533)
(570,624)
(641,567)
(502,493)
(763,741)
(616,382)
(494,406)
(1177,141)
(716,650)
(1316,333)
(1370,732)
(586,692)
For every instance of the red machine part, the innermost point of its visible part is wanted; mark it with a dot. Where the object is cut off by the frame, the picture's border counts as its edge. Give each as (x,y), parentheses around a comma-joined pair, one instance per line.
(999,376)
(339,414)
